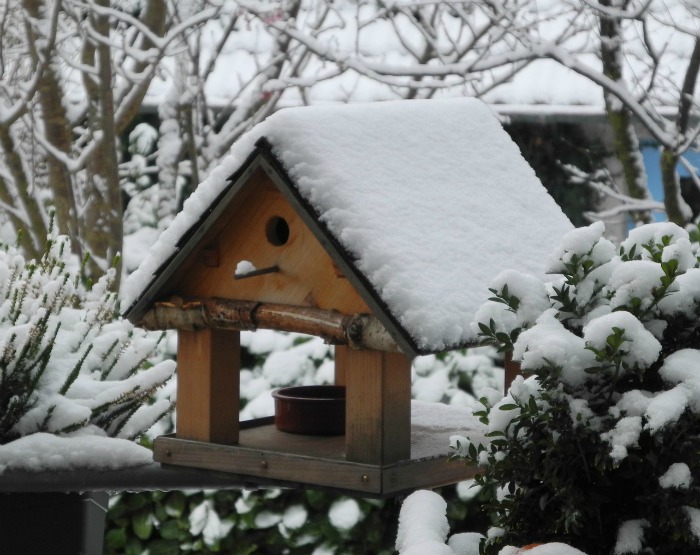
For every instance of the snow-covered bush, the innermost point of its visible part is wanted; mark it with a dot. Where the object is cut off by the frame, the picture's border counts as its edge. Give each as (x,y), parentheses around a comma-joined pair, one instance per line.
(597,444)
(67,362)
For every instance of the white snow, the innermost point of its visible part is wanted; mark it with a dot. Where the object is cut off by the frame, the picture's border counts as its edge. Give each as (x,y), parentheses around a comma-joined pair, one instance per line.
(677,476)
(654,233)
(377,174)
(641,347)
(434,424)
(686,297)
(423,530)
(204,520)
(422,522)
(667,407)
(694,518)
(625,434)
(681,366)
(244,267)
(87,450)
(551,341)
(284,367)
(633,403)
(360,39)
(466,543)
(611,283)
(267,519)
(294,516)
(580,242)
(528,289)
(468,489)
(136,246)
(630,537)
(635,278)
(344,514)
(431,388)
(93,368)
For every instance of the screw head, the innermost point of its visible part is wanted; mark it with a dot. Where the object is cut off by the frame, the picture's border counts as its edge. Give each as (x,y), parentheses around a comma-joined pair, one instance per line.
(263,463)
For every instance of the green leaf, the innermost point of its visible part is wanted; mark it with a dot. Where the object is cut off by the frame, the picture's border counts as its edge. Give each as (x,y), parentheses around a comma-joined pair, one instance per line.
(135,501)
(115,538)
(164,547)
(485,330)
(172,530)
(175,504)
(142,523)
(133,547)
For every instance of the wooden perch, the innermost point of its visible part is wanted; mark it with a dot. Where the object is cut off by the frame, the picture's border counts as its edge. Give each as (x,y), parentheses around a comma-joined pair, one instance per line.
(360,331)
(254,273)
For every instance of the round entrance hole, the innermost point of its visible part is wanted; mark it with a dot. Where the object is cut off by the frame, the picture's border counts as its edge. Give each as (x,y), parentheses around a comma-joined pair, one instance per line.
(277,231)
(310,409)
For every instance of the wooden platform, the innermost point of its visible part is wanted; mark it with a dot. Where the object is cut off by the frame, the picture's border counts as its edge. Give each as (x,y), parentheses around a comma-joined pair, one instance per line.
(266,453)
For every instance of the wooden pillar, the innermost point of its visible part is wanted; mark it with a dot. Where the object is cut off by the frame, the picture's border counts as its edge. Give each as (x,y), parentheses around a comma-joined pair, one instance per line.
(341,353)
(378,410)
(208,385)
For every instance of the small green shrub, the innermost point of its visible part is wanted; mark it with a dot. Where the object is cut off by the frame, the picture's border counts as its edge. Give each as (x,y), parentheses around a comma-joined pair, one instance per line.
(597,444)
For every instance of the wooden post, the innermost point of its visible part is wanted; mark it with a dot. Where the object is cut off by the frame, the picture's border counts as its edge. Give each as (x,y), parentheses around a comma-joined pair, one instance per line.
(378,410)
(341,354)
(208,385)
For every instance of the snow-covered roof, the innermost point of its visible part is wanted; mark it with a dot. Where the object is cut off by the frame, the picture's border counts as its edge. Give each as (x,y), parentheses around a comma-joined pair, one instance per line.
(426,199)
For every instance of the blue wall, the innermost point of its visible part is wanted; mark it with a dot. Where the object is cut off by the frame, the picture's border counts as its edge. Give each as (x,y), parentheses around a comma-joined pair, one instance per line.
(651,155)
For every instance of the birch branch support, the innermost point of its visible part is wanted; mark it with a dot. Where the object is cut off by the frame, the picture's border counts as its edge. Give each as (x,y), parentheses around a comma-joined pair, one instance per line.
(360,331)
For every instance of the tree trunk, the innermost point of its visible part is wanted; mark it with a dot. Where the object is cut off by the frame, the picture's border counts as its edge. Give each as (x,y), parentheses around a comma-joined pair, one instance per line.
(32,231)
(625,142)
(57,130)
(102,218)
(676,209)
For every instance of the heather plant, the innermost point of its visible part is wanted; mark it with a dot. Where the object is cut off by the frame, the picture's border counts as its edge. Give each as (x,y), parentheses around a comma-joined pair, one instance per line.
(68,363)
(596,444)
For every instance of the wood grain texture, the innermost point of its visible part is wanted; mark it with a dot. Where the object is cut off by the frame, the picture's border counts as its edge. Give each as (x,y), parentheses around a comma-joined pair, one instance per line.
(266,455)
(378,407)
(208,385)
(341,358)
(307,275)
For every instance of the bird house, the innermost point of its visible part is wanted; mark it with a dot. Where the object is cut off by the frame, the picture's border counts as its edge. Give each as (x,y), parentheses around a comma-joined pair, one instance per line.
(377,227)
